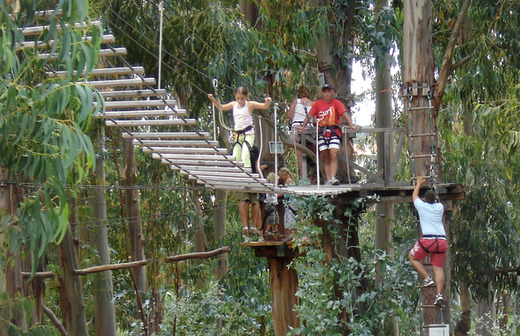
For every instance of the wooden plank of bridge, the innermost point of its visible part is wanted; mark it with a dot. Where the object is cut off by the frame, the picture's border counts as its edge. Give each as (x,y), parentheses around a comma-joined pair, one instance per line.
(184,150)
(173,143)
(138,123)
(102,53)
(141,114)
(117,71)
(37,44)
(167,135)
(122,104)
(121,82)
(36,30)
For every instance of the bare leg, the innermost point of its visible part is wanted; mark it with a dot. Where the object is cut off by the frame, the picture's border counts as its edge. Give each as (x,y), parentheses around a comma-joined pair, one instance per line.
(333,163)
(419,267)
(325,159)
(438,272)
(255,216)
(243,210)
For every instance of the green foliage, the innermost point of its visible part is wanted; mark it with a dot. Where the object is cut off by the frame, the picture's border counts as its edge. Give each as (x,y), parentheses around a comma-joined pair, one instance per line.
(213,312)
(345,285)
(43,120)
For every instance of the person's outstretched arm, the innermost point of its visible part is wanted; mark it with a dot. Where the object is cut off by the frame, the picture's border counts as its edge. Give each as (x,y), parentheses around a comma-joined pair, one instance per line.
(418,184)
(259,106)
(225,107)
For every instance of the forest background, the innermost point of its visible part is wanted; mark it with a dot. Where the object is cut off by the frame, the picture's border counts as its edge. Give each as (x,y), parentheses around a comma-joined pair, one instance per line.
(203,40)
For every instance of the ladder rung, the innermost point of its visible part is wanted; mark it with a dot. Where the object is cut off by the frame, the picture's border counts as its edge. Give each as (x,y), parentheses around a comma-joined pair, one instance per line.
(431,306)
(415,156)
(425,177)
(418,108)
(434,325)
(421,135)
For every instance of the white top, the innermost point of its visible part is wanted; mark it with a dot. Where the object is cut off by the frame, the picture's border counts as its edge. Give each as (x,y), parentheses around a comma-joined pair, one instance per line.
(242,118)
(430,217)
(299,110)
(271,198)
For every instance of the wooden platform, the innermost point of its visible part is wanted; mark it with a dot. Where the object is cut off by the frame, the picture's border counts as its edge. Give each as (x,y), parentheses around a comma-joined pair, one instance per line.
(273,249)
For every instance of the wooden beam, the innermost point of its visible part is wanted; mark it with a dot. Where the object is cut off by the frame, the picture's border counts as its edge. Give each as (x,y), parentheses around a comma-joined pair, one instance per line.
(110,267)
(198,255)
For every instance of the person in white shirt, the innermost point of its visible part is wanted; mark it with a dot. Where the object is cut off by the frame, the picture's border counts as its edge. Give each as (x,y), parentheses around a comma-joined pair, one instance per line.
(433,241)
(244,137)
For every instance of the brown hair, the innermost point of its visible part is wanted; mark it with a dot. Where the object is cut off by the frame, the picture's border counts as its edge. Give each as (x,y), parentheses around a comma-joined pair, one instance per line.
(242,90)
(430,197)
(303,92)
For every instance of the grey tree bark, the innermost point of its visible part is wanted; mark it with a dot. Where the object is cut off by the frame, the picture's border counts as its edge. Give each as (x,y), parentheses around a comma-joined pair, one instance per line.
(133,215)
(104,313)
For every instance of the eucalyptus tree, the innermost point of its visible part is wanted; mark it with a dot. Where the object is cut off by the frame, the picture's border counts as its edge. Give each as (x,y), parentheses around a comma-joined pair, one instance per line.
(479,136)
(43,144)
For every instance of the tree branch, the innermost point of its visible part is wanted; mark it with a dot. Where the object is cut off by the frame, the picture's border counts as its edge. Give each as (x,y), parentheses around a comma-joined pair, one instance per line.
(198,255)
(102,268)
(448,57)
(54,320)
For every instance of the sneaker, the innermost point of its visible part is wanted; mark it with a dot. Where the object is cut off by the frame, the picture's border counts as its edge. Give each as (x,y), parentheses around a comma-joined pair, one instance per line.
(246,240)
(261,239)
(439,300)
(428,282)
(333,181)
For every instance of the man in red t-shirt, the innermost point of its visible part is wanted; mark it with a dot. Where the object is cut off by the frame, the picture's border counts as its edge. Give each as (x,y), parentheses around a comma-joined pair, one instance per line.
(328,112)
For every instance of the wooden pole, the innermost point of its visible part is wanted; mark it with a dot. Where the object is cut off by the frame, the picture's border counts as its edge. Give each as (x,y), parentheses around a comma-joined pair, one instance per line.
(284,283)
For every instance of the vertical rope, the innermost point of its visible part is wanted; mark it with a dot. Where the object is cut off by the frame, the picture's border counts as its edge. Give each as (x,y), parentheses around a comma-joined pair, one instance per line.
(410,123)
(276,141)
(161,9)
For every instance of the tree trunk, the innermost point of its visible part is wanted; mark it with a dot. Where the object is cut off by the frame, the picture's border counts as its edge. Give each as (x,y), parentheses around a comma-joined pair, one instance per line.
(199,236)
(384,119)
(104,314)
(464,324)
(11,283)
(133,215)
(284,283)
(72,302)
(485,314)
(220,230)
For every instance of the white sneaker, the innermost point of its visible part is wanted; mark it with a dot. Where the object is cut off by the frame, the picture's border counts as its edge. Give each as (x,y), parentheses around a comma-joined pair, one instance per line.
(428,282)
(333,181)
(439,300)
